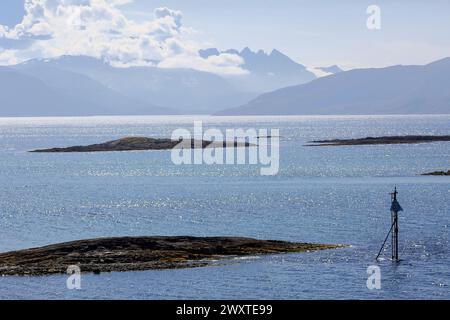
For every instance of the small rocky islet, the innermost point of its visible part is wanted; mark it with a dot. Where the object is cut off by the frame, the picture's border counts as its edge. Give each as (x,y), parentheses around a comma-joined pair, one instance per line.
(143,143)
(437,173)
(141,253)
(409,139)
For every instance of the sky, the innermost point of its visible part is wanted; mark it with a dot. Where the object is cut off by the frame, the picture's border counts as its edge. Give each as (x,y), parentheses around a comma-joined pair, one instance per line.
(314,32)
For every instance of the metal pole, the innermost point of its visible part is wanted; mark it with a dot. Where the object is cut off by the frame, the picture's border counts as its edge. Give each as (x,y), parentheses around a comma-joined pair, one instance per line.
(394,214)
(396,236)
(395,208)
(393,235)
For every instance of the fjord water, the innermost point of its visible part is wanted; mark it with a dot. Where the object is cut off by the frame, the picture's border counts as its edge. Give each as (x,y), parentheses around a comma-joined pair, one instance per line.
(321,194)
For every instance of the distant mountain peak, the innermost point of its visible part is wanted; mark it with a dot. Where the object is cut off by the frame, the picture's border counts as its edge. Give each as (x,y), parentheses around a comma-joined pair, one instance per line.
(267,71)
(205,53)
(261,52)
(252,57)
(246,50)
(232,51)
(279,54)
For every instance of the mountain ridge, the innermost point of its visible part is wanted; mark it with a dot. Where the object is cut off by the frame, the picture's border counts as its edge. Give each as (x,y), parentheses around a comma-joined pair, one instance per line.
(267,71)
(391,90)
(135,90)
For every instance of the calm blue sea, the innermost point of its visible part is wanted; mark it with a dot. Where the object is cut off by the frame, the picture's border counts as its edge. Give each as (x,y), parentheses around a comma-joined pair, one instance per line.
(321,194)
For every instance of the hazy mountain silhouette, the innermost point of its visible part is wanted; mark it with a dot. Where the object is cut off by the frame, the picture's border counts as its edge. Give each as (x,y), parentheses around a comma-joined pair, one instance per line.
(73,94)
(267,71)
(22,95)
(391,90)
(87,86)
(185,90)
(81,85)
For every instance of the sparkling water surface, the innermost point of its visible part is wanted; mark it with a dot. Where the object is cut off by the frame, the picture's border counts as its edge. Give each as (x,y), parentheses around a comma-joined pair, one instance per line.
(321,194)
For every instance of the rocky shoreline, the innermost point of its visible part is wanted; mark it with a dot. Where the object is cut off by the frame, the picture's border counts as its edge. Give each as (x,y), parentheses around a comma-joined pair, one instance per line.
(378,140)
(141,253)
(141,144)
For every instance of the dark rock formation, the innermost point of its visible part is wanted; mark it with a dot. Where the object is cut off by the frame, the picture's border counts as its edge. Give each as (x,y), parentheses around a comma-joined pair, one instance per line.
(137,143)
(379,140)
(437,173)
(140,253)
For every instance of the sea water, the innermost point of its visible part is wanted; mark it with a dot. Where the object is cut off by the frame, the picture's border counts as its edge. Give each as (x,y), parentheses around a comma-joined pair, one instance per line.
(337,195)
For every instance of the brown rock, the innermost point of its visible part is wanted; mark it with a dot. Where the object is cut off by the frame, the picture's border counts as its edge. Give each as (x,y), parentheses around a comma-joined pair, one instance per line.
(140,253)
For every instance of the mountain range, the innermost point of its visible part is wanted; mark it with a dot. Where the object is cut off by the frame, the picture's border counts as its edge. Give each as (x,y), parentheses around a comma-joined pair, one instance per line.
(266,71)
(37,89)
(97,88)
(391,90)
(274,84)
(81,85)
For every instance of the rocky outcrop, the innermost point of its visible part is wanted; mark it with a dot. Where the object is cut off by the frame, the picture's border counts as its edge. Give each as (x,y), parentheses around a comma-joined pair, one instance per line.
(437,173)
(378,140)
(139,143)
(140,253)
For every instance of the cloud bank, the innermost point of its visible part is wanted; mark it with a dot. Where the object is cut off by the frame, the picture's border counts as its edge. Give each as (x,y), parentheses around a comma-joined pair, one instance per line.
(98,28)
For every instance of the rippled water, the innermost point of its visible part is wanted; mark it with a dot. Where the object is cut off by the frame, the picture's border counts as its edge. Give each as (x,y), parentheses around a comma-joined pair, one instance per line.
(321,194)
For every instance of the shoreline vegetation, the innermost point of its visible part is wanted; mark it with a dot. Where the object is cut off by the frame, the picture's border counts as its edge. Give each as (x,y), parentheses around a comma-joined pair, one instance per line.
(141,253)
(410,139)
(142,143)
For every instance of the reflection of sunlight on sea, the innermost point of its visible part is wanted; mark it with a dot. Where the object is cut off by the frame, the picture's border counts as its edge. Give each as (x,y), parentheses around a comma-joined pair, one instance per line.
(324,194)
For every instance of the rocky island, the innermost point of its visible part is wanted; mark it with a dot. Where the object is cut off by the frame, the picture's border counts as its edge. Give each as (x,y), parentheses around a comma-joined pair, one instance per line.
(140,143)
(141,253)
(378,140)
(437,173)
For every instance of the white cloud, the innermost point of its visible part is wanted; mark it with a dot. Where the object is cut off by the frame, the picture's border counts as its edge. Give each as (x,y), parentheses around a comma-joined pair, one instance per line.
(318,73)
(8,57)
(98,28)
(223,64)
